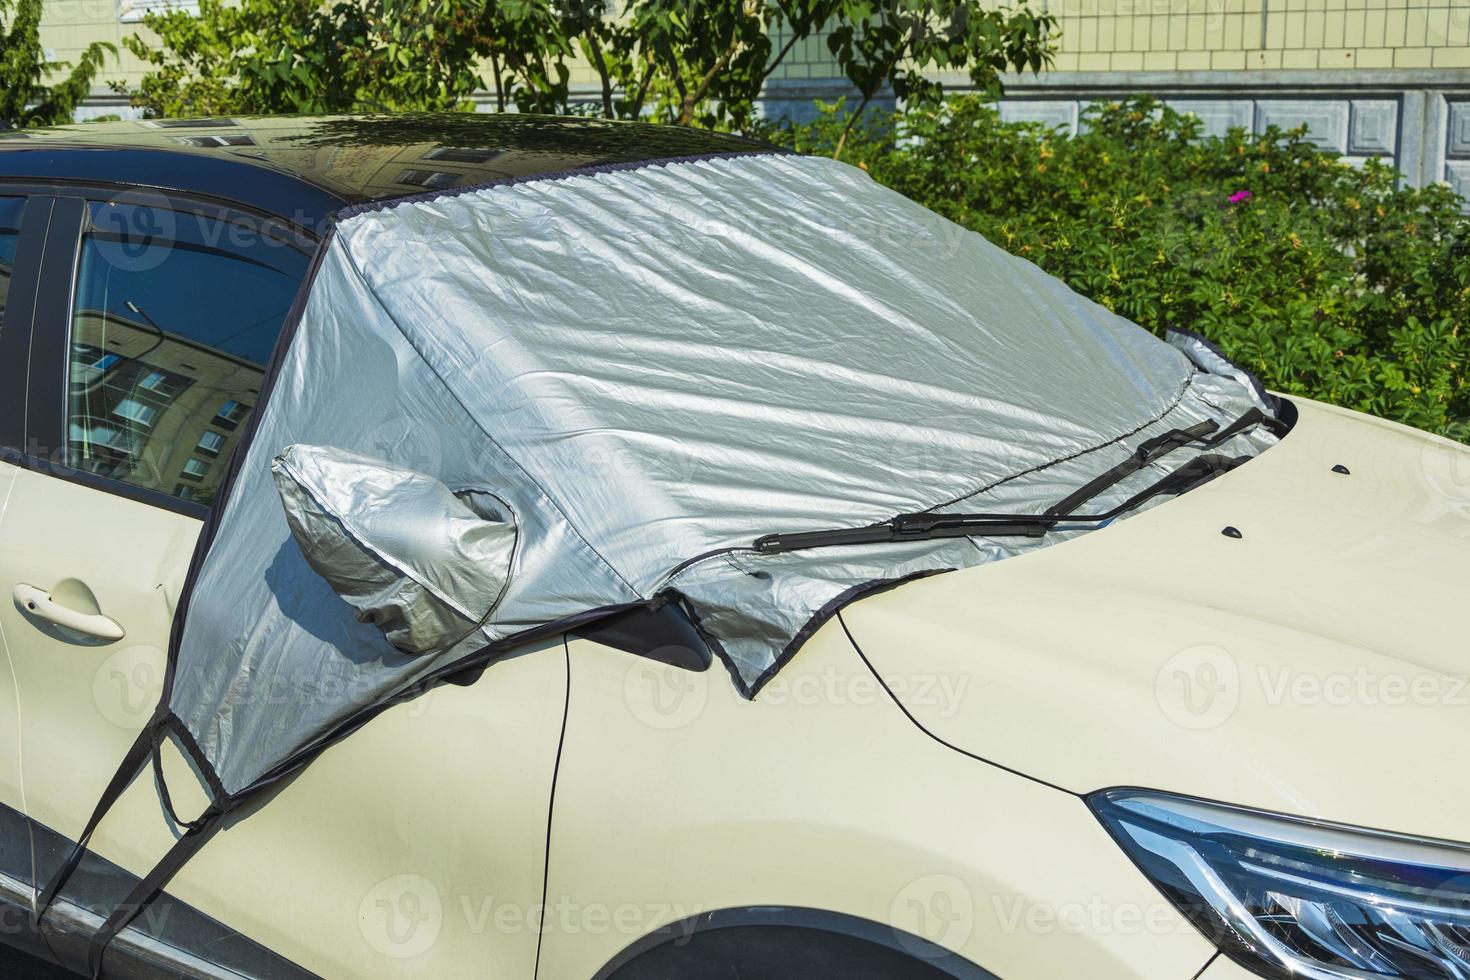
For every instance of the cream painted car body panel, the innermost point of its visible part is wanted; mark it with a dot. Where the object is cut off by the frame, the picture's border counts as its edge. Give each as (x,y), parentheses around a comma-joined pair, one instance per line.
(676,796)
(9,706)
(391,854)
(82,700)
(355,867)
(1316,666)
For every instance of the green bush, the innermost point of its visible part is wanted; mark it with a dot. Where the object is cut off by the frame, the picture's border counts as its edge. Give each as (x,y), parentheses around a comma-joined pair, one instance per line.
(1328,280)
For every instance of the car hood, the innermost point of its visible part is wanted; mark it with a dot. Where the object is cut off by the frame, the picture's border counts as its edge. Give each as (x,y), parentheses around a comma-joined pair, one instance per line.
(1315,664)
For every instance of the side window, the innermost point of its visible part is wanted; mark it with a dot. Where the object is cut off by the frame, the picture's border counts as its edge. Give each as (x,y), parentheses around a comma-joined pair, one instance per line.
(173,319)
(11,209)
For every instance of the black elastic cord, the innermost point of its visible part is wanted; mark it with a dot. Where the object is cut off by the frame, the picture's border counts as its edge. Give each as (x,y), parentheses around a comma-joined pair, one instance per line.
(132,764)
(152,883)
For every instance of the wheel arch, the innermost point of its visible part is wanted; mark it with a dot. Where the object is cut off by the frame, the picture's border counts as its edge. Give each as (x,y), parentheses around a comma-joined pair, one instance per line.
(782,934)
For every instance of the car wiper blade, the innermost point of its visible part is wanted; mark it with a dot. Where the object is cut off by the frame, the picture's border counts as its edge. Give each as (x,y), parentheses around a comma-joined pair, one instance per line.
(1147,452)
(908,527)
(927,526)
(1207,433)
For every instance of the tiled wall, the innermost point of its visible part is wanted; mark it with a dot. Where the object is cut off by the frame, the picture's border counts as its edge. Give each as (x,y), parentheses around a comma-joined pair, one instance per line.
(1195,35)
(68,26)
(1236,35)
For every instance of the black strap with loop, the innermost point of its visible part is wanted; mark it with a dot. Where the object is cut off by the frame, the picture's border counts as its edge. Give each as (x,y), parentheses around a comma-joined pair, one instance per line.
(132,764)
(152,883)
(196,832)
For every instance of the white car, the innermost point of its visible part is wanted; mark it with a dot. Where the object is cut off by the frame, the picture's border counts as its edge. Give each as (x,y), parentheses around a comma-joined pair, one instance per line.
(1195,722)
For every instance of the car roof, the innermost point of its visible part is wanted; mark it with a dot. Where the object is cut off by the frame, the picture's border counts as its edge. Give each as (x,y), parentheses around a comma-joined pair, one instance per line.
(303,168)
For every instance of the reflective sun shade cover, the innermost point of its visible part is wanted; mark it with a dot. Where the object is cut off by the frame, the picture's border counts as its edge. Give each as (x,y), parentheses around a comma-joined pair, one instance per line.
(652,366)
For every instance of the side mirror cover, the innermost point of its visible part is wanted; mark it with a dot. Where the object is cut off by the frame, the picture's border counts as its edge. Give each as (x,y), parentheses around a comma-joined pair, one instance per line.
(423,563)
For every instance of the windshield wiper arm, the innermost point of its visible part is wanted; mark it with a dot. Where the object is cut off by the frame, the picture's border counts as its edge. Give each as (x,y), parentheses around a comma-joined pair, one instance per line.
(927,526)
(1146,453)
(909,527)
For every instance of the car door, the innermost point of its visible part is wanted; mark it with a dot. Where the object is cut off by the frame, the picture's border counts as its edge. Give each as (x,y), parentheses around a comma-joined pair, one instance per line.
(12,409)
(153,322)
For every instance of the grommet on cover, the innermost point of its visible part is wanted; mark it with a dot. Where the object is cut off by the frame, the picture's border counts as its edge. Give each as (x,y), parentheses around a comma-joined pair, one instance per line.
(1232,532)
(1339,468)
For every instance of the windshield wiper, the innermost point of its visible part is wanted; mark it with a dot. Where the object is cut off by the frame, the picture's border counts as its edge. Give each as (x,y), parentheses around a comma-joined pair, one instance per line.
(923,527)
(1147,452)
(928,525)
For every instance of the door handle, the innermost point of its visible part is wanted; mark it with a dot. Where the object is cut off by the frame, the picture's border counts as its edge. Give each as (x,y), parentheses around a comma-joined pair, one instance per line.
(39,602)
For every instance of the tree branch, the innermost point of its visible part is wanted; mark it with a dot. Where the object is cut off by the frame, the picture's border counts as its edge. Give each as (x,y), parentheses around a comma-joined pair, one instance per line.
(781,55)
(851,120)
(692,97)
(595,50)
(499,83)
(636,107)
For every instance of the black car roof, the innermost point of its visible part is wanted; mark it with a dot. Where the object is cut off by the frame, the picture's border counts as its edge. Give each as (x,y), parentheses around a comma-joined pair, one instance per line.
(303,168)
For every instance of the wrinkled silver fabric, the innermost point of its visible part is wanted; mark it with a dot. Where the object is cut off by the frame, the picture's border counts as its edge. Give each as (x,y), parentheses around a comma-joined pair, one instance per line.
(409,555)
(1207,358)
(656,364)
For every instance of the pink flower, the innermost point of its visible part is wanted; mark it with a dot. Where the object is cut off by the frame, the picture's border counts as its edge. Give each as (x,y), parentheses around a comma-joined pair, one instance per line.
(1239,196)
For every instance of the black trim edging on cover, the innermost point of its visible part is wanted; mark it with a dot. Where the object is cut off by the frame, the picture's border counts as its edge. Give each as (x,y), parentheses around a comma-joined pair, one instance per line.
(587,171)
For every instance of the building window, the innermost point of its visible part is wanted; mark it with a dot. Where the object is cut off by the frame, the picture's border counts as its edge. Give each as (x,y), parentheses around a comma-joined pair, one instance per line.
(210,443)
(463,154)
(133,11)
(194,469)
(100,435)
(184,491)
(217,139)
(160,383)
(90,364)
(203,122)
(434,180)
(231,414)
(135,411)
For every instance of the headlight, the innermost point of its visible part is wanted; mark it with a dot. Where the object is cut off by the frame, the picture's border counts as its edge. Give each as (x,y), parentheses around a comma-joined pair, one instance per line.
(1292,898)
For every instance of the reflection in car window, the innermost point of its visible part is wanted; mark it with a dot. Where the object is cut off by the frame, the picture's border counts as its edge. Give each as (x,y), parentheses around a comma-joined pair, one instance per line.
(10,212)
(174,317)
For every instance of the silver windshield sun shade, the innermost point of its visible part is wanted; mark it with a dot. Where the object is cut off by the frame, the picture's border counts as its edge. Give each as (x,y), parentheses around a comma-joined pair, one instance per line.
(640,371)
